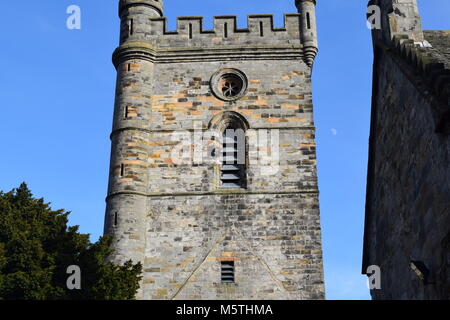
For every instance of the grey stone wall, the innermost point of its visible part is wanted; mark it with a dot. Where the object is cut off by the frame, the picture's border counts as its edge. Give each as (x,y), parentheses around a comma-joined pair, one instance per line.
(274,240)
(409,187)
(279,97)
(175,218)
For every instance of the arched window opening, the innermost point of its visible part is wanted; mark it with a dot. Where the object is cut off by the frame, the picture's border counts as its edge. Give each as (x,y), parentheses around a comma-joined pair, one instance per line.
(233,161)
(231,127)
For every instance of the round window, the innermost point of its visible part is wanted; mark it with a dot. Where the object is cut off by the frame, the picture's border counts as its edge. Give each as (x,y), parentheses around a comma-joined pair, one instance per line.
(229,84)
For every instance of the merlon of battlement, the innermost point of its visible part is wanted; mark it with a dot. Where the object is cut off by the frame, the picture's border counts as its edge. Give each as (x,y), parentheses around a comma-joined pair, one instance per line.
(190,31)
(252,23)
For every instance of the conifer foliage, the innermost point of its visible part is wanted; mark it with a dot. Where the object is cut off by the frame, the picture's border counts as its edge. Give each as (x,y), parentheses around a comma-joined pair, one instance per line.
(37,246)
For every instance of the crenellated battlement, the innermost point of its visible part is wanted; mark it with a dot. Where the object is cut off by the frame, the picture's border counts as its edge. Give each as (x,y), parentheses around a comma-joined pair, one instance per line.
(191,33)
(142,26)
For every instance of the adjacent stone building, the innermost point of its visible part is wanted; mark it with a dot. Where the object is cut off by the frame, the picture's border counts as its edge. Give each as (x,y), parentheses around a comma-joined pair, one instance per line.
(407,228)
(209,214)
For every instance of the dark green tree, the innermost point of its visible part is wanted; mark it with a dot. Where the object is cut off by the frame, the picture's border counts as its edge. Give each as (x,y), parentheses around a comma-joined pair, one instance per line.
(37,246)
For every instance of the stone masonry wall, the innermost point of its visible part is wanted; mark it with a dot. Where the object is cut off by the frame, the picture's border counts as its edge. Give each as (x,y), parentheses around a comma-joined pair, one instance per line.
(274,240)
(410,203)
(271,230)
(174,217)
(278,97)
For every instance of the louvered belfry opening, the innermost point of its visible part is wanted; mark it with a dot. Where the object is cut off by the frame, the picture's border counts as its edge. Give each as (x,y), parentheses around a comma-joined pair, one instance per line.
(227,272)
(233,163)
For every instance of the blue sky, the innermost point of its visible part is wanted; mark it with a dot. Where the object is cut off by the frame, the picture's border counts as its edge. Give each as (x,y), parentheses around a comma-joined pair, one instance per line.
(57,94)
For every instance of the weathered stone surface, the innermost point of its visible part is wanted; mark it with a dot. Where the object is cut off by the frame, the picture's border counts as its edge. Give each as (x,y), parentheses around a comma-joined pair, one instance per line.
(408,191)
(176,218)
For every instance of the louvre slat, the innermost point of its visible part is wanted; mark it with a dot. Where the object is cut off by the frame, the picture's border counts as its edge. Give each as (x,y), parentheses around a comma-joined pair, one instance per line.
(230,167)
(230,176)
(229,160)
(229,185)
(229,140)
(229,150)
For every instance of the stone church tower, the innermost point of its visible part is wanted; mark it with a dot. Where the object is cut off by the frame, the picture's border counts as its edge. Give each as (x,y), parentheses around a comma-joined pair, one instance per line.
(407,228)
(213,180)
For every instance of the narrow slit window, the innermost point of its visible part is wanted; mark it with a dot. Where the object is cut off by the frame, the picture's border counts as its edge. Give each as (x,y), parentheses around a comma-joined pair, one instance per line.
(130,112)
(261,29)
(190,30)
(308,20)
(115,219)
(233,159)
(122,170)
(227,272)
(225,30)
(129,67)
(131,27)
